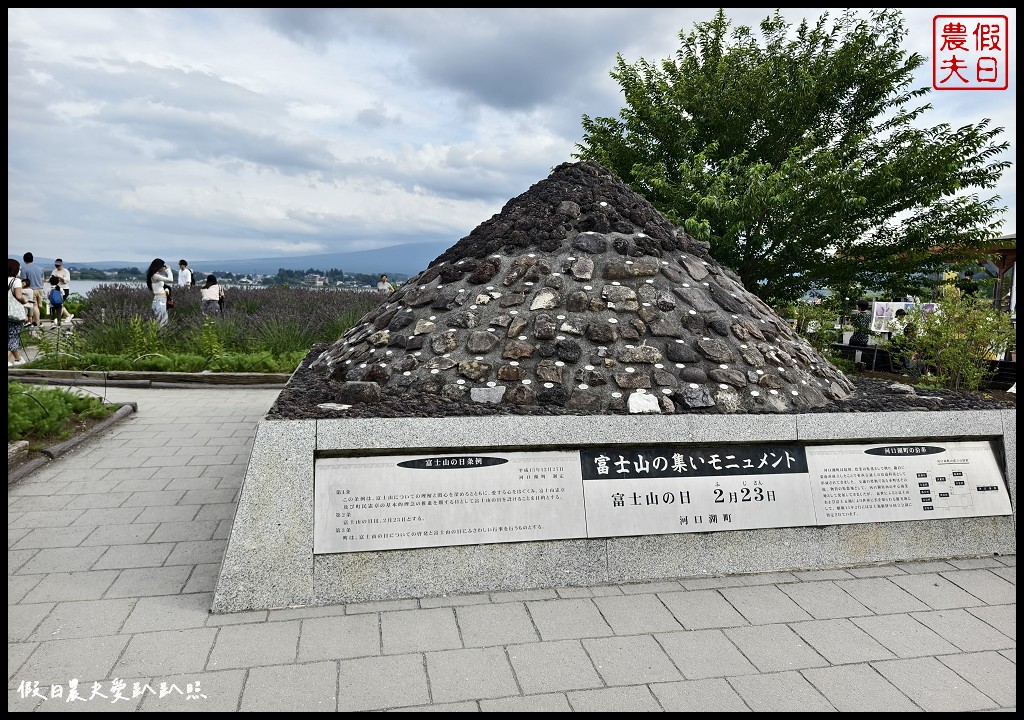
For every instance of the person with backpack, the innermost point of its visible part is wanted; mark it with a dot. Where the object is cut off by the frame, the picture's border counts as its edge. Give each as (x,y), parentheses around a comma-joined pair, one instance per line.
(56,298)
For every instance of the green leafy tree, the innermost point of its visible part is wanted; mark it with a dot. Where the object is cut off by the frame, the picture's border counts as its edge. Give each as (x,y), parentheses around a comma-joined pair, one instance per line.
(798,157)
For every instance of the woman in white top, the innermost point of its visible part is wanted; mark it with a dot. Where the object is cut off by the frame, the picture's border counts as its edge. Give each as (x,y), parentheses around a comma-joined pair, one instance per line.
(212,294)
(157,277)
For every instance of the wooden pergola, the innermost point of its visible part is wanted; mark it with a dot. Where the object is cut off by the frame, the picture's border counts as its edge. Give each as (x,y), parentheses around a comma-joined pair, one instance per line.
(1001,255)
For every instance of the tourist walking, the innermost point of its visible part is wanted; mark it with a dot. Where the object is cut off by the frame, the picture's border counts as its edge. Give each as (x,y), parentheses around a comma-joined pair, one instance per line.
(159,278)
(213,296)
(34,274)
(384,286)
(64,280)
(16,313)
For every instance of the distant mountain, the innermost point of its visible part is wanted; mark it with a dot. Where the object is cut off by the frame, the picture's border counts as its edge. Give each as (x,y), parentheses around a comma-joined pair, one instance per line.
(407,259)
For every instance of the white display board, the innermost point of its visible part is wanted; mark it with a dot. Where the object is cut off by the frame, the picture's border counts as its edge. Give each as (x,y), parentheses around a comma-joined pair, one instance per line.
(401,501)
(913,481)
(655,491)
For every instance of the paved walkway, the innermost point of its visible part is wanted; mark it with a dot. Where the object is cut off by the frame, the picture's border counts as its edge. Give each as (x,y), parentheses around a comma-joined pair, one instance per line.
(114,550)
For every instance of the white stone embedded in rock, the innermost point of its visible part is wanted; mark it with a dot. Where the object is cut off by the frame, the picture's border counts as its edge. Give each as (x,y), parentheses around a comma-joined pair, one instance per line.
(641,402)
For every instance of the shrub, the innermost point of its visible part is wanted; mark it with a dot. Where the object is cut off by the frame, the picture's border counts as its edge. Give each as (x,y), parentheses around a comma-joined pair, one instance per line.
(48,413)
(958,340)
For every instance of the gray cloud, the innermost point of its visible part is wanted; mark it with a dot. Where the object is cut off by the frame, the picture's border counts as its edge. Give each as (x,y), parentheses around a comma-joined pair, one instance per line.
(244,133)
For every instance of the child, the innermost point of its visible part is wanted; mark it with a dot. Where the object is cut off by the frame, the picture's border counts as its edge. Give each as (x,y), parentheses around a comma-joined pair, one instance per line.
(56,298)
(28,294)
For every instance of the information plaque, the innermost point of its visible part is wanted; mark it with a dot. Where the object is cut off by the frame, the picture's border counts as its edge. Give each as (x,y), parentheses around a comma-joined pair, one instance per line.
(384,503)
(913,481)
(656,491)
(403,501)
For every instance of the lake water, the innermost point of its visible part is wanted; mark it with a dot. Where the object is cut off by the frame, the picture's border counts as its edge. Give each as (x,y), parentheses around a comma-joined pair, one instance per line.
(83,287)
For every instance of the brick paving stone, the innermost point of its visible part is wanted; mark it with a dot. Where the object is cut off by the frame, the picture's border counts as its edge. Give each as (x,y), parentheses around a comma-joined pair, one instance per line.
(308,687)
(824,600)
(138,582)
(904,636)
(469,674)
(764,604)
(840,641)
(381,683)
(634,660)
(780,692)
(556,666)
(936,591)
(711,695)
(500,624)
(964,630)
(144,555)
(346,636)
(703,654)
(219,691)
(58,587)
(406,631)
(880,595)
(990,672)
(168,612)
(563,619)
(255,645)
(635,614)
(702,609)
(23,619)
(166,652)
(550,702)
(84,619)
(933,686)
(774,648)
(60,560)
(88,659)
(184,531)
(1002,617)
(984,585)
(120,534)
(858,688)
(618,699)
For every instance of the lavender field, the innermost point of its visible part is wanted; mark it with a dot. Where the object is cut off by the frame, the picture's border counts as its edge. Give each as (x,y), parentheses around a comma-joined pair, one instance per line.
(262,329)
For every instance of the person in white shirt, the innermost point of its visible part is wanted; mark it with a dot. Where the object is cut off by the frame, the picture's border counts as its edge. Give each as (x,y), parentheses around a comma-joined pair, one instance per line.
(384,286)
(64,276)
(158,277)
(184,274)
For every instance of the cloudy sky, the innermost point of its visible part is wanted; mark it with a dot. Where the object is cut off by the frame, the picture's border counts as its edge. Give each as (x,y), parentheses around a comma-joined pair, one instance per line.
(232,134)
